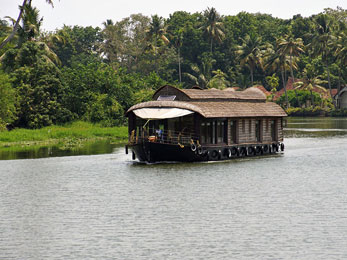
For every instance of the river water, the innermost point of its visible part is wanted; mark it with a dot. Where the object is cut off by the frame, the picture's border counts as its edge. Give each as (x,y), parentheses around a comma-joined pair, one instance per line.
(287,206)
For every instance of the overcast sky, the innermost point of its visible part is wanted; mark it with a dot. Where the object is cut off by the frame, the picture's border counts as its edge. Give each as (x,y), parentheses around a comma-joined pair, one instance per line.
(88,12)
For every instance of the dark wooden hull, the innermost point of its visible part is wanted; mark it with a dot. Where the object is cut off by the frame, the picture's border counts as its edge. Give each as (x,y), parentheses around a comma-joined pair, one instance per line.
(158,152)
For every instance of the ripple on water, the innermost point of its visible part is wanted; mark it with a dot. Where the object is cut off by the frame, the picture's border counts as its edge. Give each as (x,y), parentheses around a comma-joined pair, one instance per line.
(290,206)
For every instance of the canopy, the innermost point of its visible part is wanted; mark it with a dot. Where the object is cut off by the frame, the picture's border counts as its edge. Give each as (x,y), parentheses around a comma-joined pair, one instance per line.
(161,113)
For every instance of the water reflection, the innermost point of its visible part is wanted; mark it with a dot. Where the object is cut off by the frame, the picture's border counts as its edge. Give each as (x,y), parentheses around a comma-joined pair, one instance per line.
(315,127)
(88,148)
(294,127)
(288,206)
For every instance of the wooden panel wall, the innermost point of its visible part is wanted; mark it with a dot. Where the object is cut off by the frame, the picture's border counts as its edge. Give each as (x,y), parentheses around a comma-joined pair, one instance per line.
(245,130)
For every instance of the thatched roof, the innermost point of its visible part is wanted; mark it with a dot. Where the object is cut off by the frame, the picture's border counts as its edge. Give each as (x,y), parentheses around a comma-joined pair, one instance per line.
(221,108)
(250,94)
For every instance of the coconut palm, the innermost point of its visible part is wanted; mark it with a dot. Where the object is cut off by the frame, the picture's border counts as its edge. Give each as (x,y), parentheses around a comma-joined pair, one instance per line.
(201,74)
(178,45)
(17,22)
(275,61)
(156,32)
(288,46)
(219,80)
(310,83)
(29,30)
(250,53)
(341,54)
(322,41)
(213,27)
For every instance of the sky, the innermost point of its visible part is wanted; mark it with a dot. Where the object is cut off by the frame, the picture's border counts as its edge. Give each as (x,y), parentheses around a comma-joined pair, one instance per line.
(94,13)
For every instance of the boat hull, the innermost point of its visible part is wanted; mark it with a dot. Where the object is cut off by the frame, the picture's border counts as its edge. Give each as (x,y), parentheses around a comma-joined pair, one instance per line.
(159,152)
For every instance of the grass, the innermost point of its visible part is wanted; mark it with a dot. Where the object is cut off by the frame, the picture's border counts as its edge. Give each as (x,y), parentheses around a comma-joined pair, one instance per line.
(66,135)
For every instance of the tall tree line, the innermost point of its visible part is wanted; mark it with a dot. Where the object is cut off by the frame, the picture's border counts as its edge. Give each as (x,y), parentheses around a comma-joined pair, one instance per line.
(96,74)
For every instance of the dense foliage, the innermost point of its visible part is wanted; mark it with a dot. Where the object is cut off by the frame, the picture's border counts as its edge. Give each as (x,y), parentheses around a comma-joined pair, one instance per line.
(96,74)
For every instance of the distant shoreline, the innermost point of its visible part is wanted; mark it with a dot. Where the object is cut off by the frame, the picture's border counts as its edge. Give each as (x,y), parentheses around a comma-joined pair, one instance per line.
(68,136)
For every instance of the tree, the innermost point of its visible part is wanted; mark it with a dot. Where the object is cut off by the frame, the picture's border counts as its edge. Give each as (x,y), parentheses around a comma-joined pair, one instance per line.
(156,32)
(276,61)
(8,101)
(39,87)
(213,27)
(178,45)
(310,83)
(201,74)
(16,24)
(273,83)
(218,81)
(322,42)
(341,53)
(292,48)
(29,30)
(76,43)
(249,53)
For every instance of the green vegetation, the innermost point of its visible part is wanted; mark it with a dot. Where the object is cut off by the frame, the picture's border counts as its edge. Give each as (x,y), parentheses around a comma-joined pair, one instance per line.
(96,74)
(71,134)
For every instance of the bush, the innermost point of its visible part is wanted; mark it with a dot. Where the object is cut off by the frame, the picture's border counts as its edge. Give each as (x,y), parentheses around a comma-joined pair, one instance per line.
(105,110)
(308,111)
(8,101)
(339,112)
(303,97)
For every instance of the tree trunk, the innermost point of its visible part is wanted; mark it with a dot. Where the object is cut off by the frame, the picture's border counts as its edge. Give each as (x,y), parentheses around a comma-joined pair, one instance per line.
(312,103)
(329,83)
(211,46)
(179,65)
(15,28)
(251,77)
(338,89)
(285,89)
(293,79)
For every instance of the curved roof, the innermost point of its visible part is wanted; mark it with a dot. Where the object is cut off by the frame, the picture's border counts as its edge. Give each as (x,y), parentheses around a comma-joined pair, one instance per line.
(221,108)
(251,94)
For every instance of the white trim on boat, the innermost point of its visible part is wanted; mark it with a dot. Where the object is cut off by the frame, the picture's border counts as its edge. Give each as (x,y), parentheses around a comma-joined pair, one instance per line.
(161,113)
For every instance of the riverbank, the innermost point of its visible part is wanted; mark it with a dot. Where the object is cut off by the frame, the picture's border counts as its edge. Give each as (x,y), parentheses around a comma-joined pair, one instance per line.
(65,137)
(316,111)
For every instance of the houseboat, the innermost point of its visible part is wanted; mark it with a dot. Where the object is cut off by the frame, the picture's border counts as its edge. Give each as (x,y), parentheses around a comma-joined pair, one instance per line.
(204,125)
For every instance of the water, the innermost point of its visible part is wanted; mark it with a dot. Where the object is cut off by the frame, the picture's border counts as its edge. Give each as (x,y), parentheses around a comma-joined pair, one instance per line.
(288,206)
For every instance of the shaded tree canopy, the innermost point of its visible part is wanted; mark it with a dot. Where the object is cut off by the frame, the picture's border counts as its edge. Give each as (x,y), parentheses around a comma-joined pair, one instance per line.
(96,74)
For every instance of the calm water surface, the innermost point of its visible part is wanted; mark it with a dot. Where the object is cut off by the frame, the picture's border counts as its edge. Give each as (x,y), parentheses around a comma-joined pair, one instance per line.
(289,206)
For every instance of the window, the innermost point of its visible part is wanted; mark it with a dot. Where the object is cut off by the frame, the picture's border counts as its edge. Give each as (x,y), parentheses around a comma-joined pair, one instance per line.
(164,97)
(208,133)
(233,132)
(213,131)
(203,133)
(273,130)
(258,130)
(220,131)
(250,127)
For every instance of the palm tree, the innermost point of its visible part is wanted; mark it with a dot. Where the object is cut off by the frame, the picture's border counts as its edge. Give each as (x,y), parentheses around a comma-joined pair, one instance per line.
(288,46)
(219,80)
(250,53)
(178,45)
(109,48)
(213,27)
(276,61)
(156,32)
(309,83)
(322,42)
(341,54)
(201,74)
(17,22)
(29,30)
